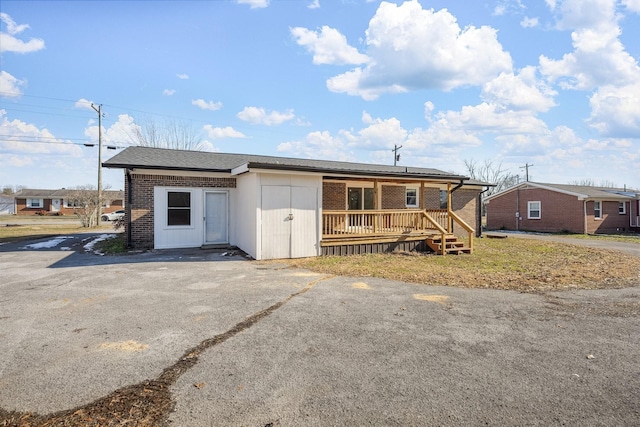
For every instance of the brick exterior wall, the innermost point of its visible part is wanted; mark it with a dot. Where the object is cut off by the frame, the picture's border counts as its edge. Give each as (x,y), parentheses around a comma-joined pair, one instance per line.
(334,196)
(393,197)
(465,205)
(612,221)
(141,207)
(431,198)
(559,212)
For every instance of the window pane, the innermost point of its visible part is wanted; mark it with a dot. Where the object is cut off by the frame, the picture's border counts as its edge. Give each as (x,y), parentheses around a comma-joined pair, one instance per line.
(179,199)
(368,198)
(443,199)
(354,196)
(412,197)
(179,217)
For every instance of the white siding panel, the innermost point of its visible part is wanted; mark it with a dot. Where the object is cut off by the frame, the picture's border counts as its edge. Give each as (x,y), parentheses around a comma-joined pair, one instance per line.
(165,236)
(276,226)
(244,222)
(304,232)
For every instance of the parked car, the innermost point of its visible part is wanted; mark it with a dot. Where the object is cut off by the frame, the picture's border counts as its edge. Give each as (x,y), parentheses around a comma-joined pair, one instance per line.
(112,216)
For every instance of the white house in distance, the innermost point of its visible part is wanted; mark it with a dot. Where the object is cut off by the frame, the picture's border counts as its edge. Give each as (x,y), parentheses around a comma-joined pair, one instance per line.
(275,207)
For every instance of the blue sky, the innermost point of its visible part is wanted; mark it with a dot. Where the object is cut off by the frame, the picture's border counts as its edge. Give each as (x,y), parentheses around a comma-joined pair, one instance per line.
(551,83)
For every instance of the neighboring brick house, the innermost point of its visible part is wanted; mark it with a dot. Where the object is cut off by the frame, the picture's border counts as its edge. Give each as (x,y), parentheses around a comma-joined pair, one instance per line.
(275,207)
(59,202)
(532,206)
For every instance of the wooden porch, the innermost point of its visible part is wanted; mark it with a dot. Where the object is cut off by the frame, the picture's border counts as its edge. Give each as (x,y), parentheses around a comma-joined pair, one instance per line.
(358,231)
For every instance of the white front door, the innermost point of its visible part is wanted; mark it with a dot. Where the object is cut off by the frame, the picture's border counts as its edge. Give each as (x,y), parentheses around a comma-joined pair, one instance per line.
(55,205)
(289,221)
(216,227)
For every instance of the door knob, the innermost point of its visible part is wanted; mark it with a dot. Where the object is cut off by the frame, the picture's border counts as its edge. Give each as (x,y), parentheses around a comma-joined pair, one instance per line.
(290,217)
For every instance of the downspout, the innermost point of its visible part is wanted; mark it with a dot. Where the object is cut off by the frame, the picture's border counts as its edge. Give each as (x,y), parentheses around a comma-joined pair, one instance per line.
(128,207)
(584,215)
(479,212)
(518,209)
(450,202)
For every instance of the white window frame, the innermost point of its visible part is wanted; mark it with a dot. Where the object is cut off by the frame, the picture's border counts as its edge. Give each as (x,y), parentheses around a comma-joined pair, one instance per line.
(539,210)
(597,211)
(66,204)
(622,208)
(191,209)
(30,203)
(406,197)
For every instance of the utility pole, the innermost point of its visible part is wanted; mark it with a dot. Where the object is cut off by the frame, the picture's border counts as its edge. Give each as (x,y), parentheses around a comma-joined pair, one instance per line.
(396,156)
(526,168)
(99,213)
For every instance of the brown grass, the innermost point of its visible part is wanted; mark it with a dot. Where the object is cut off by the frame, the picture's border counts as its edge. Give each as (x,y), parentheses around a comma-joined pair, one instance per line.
(515,264)
(20,232)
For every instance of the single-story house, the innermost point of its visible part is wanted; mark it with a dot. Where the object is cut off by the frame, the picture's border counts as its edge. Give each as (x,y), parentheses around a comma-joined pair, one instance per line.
(533,206)
(275,207)
(59,202)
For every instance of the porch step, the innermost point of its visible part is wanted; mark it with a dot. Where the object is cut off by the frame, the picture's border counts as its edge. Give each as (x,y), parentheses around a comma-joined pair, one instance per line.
(451,245)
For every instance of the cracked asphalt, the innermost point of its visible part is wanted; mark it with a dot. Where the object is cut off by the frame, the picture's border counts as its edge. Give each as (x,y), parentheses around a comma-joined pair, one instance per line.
(227,341)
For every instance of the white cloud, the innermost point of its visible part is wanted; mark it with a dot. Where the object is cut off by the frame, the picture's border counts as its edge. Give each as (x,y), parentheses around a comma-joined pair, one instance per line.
(21,138)
(9,85)
(579,14)
(255,4)
(257,115)
(632,5)
(328,46)
(519,92)
(615,111)
(599,57)
(182,76)
(168,92)
(318,145)
(414,48)
(207,105)
(84,104)
(315,4)
(9,43)
(119,134)
(529,22)
(220,133)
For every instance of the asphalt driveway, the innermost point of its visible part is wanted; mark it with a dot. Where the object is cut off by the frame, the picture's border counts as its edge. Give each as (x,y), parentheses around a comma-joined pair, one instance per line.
(240,342)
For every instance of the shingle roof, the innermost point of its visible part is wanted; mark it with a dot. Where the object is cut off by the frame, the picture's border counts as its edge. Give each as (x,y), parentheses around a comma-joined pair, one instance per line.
(593,192)
(158,158)
(580,191)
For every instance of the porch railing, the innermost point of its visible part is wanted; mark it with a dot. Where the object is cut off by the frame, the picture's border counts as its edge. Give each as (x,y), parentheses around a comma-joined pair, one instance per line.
(378,223)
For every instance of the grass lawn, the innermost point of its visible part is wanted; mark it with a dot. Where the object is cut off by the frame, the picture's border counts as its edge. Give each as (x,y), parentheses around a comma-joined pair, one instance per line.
(516,264)
(25,231)
(609,237)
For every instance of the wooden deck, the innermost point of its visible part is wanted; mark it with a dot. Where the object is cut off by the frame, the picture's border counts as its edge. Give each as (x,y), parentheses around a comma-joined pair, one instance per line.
(348,232)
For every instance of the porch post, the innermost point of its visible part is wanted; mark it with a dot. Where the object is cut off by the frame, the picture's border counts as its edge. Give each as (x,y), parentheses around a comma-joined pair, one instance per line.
(421,198)
(449,210)
(375,205)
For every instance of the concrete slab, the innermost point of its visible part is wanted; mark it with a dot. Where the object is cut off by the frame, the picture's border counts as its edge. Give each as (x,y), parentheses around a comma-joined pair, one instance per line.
(291,347)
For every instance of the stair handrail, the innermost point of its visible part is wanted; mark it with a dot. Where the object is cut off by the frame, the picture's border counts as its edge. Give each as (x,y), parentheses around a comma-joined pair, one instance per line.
(441,229)
(464,225)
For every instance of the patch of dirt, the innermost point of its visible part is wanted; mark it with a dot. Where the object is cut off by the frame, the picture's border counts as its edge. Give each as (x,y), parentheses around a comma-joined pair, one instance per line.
(146,404)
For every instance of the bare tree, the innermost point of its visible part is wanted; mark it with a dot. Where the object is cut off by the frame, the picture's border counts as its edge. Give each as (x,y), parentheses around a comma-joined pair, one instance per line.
(86,204)
(491,173)
(592,183)
(9,190)
(172,133)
